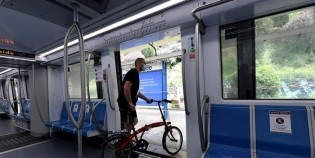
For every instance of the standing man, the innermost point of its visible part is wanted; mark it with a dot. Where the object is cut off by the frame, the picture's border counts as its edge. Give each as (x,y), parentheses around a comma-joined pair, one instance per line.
(129,93)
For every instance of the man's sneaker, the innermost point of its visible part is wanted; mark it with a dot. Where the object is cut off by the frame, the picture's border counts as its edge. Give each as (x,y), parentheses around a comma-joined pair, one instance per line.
(125,133)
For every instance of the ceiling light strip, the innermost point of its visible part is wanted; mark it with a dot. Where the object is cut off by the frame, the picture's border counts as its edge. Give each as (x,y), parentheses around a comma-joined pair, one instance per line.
(7,70)
(9,57)
(119,24)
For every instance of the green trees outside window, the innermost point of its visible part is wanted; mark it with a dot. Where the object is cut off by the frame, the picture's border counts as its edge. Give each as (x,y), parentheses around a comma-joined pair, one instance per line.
(283,54)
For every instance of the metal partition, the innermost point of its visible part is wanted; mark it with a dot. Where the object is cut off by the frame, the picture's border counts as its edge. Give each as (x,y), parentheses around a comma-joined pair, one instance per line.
(201,29)
(35,96)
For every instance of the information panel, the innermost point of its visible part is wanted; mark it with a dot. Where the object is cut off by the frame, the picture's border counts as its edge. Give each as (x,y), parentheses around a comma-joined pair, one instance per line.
(6,52)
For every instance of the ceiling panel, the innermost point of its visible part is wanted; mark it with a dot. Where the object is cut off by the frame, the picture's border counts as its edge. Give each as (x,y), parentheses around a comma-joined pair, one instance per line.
(13,63)
(26,33)
(35,26)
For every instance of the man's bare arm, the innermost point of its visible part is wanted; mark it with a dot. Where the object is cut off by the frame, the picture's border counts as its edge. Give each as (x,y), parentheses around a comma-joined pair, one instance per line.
(140,95)
(127,93)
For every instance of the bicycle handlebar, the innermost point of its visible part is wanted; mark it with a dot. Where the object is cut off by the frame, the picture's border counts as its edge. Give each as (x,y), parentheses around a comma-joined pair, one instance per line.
(164,100)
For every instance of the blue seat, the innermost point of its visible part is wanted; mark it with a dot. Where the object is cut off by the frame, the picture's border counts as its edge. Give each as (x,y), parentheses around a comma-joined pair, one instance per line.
(100,114)
(229,131)
(287,145)
(4,107)
(25,114)
(64,120)
(87,119)
(89,127)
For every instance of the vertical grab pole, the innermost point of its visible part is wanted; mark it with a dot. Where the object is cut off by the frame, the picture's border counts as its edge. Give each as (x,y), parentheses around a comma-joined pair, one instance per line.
(78,124)
(20,91)
(88,81)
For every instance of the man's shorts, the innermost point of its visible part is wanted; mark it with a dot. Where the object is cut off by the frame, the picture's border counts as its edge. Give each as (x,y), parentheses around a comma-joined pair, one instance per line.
(124,113)
(125,116)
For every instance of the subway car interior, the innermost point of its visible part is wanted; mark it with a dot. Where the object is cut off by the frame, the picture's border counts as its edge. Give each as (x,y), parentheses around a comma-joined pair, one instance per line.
(221,78)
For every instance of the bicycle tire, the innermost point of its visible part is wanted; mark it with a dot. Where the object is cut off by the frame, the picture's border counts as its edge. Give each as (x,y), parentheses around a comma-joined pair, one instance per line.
(111,146)
(170,146)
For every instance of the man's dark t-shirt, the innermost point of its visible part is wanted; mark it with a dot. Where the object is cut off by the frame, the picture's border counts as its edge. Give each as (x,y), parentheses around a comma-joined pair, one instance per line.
(133,77)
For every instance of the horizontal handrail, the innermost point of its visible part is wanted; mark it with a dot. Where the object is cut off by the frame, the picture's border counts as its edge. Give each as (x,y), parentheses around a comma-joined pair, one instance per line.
(207,6)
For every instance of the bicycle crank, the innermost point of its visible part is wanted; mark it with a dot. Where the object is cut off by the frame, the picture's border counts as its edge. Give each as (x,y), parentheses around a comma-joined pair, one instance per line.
(142,145)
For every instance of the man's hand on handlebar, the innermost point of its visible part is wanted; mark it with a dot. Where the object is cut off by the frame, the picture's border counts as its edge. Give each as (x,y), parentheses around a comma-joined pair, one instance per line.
(149,101)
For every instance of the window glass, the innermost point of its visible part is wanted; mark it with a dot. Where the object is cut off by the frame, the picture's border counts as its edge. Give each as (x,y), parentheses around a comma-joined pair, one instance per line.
(282,49)
(229,67)
(75,81)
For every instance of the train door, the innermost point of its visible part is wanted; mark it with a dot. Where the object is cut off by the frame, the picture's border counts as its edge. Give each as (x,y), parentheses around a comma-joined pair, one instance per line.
(2,82)
(161,80)
(1,92)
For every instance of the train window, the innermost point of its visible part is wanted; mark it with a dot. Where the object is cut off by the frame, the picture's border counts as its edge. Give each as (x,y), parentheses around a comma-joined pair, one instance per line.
(270,58)
(75,81)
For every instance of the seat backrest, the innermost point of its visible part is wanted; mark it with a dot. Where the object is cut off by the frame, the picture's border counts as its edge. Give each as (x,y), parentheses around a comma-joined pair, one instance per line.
(230,125)
(26,108)
(75,109)
(63,114)
(1,100)
(282,131)
(6,106)
(88,112)
(100,113)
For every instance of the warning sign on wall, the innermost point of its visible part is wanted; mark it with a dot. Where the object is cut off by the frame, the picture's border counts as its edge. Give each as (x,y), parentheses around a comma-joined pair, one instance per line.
(280,121)
(191,49)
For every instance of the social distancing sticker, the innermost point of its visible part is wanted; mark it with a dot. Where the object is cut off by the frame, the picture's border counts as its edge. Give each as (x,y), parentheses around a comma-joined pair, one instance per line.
(280,121)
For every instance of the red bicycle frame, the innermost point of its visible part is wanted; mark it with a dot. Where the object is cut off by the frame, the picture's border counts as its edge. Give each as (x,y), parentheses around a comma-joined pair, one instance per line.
(145,128)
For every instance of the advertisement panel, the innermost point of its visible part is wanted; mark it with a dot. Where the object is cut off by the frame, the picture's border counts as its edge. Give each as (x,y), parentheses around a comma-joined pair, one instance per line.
(151,85)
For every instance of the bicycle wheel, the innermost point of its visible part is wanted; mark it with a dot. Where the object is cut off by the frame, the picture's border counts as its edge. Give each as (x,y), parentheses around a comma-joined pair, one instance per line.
(172,140)
(112,145)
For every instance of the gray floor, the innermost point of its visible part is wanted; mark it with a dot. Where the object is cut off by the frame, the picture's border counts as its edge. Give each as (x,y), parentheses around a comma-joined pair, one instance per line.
(58,147)
(55,148)
(7,126)
(154,136)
